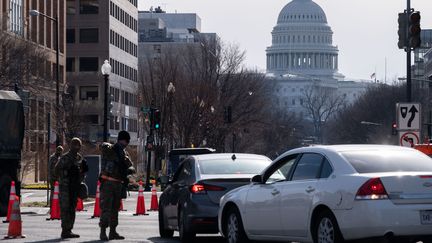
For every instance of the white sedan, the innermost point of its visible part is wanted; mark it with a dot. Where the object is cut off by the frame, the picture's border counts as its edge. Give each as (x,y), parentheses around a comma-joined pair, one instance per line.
(330,194)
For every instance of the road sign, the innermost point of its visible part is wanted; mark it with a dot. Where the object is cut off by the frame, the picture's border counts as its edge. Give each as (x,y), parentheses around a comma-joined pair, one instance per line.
(408,139)
(408,116)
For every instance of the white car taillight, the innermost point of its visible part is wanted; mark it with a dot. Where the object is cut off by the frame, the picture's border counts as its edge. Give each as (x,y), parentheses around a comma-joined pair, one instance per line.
(373,189)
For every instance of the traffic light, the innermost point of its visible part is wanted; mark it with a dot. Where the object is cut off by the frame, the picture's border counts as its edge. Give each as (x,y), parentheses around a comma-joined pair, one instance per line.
(394,128)
(402,31)
(157,119)
(228,114)
(414,30)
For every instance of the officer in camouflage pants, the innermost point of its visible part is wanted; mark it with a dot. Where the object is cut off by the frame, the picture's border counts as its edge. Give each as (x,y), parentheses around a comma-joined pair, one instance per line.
(116,166)
(70,170)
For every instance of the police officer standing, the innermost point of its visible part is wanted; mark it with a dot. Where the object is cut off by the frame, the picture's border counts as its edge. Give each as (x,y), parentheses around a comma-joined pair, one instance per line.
(116,166)
(71,170)
(53,177)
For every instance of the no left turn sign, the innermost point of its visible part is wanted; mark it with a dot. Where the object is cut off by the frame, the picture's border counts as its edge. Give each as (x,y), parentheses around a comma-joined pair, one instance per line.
(409,139)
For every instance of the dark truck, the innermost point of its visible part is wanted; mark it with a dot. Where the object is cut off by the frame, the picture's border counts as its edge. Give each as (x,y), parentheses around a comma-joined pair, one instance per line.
(11,142)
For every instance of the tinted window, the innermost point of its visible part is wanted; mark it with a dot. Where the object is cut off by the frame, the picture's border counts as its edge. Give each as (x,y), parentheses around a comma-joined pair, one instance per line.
(89,6)
(326,169)
(89,36)
(308,167)
(89,64)
(70,36)
(388,161)
(70,64)
(229,166)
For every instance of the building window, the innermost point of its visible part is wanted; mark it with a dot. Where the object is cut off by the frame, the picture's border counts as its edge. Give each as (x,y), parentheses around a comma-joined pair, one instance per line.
(70,7)
(70,64)
(16,17)
(89,6)
(88,64)
(70,36)
(89,92)
(89,35)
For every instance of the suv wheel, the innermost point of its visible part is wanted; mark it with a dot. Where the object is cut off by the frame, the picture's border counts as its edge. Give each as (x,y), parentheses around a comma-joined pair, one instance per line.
(163,231)
(186,236)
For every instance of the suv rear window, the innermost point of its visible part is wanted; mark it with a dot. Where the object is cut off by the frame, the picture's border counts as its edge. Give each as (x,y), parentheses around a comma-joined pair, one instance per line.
(376,161)
(228,166)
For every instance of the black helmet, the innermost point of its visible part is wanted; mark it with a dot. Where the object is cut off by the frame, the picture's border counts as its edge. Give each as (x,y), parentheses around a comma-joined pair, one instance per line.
(123,135)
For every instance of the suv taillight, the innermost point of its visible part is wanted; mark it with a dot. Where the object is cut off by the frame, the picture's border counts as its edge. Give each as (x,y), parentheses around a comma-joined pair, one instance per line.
(373,189)
(203,188)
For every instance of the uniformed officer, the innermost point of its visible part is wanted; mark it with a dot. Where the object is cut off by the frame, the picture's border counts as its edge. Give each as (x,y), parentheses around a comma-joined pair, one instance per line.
(116,166)
(71,171)
(53,177)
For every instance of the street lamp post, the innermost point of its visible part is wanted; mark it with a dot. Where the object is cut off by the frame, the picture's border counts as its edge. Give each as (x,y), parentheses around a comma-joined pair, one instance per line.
(171,91)
(106,71)
(55,20)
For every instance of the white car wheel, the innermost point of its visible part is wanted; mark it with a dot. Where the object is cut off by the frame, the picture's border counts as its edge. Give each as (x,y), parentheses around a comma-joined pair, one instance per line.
(326,231)
(234,231)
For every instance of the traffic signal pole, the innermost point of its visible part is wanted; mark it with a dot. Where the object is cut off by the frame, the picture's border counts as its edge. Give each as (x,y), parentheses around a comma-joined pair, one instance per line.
(408,51)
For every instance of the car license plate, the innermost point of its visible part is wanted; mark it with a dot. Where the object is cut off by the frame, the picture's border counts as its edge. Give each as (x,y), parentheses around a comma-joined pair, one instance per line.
(426,217)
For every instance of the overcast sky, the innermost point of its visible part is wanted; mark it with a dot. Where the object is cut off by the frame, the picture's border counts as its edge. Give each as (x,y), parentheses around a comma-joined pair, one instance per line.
(364,30)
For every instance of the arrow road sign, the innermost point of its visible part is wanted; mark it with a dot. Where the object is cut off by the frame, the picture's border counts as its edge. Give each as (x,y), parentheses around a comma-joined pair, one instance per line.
(408,115)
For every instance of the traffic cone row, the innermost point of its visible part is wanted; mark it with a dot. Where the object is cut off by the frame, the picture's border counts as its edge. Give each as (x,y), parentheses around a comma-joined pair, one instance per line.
(140,208)
(154,200)
(55,204)
(12,197)
(15,224)
(96,213)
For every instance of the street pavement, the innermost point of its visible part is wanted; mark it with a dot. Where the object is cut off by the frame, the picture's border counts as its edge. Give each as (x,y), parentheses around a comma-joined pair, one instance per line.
(134,228)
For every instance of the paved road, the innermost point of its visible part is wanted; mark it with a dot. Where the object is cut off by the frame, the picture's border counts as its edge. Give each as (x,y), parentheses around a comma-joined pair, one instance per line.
(134,228)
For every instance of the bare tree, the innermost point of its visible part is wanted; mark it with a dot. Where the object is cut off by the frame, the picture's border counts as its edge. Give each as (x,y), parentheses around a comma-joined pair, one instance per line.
(369,119)
(207,77)
(321,103)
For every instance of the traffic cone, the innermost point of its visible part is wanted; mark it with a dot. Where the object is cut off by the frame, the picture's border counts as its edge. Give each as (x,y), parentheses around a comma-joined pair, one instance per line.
(80,205)
(11,201)
(96,213)
(55,204)
(15,224)
(140,208)
(154,200)
(121,206)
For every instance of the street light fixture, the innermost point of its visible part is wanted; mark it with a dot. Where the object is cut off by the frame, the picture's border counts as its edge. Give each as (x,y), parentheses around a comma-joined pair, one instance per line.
(106,71)
(55,20)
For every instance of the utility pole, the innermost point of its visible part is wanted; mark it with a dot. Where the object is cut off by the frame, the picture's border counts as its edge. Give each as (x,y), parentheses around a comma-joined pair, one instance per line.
(408,51)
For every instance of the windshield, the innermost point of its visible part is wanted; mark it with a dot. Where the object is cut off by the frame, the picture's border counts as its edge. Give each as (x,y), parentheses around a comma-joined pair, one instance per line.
(228,166)
(388,161)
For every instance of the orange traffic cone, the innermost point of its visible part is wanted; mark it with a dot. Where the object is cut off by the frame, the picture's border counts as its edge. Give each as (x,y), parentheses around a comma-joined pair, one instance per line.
(140,208)
(96,213)
(11,201)
(55,204)
(15,225)
(80,205)
(121,206)
(154,200)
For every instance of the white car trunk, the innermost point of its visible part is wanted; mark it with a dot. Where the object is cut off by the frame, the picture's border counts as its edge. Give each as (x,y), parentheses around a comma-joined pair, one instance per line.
(409,187)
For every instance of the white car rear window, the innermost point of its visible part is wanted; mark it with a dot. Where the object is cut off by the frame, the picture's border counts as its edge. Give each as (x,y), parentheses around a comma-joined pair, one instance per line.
(376,161)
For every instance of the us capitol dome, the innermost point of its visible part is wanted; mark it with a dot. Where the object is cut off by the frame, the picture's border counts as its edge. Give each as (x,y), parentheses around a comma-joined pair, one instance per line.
(302,43)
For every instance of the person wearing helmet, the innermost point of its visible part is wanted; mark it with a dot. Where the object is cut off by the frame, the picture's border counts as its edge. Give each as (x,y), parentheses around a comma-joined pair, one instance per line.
(115,168)
(71,171)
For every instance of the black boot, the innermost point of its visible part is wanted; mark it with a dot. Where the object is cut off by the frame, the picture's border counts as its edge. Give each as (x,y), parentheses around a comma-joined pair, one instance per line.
(113,235)
(66,234)
(103,235)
